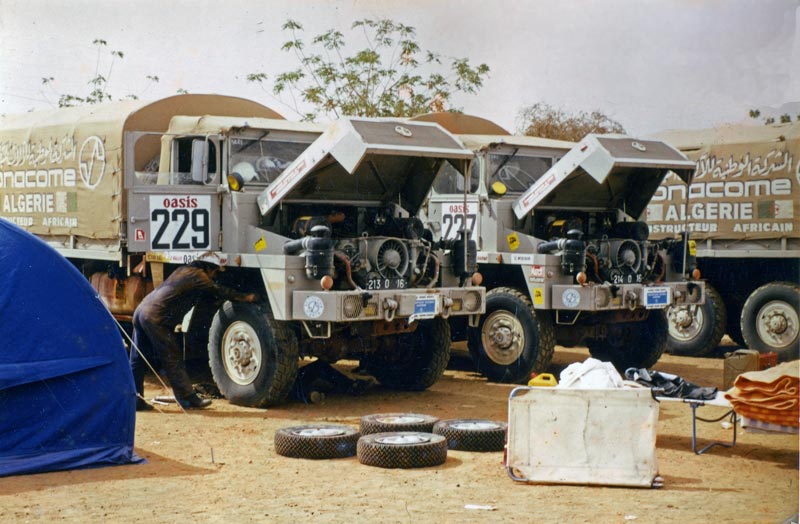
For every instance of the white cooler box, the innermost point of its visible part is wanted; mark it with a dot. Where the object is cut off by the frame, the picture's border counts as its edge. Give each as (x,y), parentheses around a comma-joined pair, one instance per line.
(583,436)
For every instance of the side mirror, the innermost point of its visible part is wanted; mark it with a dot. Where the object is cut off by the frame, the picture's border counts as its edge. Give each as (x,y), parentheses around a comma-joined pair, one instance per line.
(199,161)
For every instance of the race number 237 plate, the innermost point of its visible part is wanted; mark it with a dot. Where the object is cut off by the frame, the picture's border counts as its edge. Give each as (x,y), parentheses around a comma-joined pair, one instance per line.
(180,222)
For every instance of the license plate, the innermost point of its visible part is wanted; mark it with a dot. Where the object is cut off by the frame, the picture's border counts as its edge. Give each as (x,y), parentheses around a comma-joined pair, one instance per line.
(425,306)
(376,284)
(657,297)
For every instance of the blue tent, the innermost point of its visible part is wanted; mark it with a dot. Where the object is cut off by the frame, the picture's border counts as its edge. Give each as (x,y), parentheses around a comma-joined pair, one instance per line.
(67,398)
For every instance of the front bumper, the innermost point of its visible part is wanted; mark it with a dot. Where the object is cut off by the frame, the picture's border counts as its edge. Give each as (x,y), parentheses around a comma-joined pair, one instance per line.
(607,297)
(413,304)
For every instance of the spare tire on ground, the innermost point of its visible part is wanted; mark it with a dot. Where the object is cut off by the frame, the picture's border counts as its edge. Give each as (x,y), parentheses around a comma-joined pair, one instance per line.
(402,449)
(472,434)
(317,441)
(394,422)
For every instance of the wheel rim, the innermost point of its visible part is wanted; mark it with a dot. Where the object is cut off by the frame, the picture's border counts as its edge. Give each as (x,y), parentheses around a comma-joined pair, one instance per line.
(318,432)
(400,419)
(474,426)
(685,322)
(503,337)
(403,439)
(241,353)
(777,324)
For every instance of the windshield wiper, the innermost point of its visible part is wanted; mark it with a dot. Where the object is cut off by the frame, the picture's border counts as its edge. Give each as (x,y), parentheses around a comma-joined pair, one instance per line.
(505,161)
(250,144)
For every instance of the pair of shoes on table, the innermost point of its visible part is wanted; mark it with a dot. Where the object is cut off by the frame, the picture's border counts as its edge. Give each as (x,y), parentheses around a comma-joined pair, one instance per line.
(194,402)
(142,405)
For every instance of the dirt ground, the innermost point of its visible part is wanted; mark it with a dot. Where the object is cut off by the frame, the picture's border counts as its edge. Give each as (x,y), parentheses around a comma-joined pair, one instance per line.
(219,465)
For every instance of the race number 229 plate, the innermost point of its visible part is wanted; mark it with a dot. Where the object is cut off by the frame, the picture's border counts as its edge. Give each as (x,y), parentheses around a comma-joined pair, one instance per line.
(180,222)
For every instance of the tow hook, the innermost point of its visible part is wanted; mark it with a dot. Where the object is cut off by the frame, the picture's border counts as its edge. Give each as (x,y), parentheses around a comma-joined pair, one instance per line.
(447,305)
(631,299)
(389,309)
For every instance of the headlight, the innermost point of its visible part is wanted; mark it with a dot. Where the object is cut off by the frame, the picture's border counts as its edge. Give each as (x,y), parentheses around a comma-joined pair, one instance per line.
(472,301)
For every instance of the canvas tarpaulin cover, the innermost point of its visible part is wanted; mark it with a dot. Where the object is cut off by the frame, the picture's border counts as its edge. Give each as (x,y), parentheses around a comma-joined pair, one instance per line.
(67,398)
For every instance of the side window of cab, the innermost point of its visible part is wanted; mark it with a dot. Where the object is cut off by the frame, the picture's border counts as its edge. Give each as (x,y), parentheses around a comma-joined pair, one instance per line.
(450,181)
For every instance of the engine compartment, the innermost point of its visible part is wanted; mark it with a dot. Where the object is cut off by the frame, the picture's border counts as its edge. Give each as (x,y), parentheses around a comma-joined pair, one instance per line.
(362,247)
(607,246)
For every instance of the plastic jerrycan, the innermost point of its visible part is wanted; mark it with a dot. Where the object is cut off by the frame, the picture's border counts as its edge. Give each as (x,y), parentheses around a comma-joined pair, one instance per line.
(542,379)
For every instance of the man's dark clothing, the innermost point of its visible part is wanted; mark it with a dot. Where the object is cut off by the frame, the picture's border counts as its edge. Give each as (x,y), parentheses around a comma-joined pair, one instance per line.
(155,319)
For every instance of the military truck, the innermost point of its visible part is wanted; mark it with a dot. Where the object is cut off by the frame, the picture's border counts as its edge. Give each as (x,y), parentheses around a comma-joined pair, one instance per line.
(741,212)
(560,251)
(319,221)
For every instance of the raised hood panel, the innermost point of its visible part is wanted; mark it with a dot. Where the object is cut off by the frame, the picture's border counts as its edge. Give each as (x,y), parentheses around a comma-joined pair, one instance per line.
(367,160)
(609,172)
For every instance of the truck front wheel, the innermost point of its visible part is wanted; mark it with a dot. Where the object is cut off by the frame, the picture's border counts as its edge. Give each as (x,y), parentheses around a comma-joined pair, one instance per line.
(770,319)
(253,357)
(511,340)
(412,361)
(632,344)
(697,330)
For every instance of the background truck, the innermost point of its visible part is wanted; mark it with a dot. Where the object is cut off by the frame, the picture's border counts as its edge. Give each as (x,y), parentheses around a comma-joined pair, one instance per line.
(563,259)
(742,214)
(319,221)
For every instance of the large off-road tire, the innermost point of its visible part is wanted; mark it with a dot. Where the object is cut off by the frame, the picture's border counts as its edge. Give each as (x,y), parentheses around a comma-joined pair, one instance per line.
(472,434)
(317,441)
(696,330)
(253,357)
(632,344)
(511,340)
(412,361)
(394,422)
(404,449)
(770,319)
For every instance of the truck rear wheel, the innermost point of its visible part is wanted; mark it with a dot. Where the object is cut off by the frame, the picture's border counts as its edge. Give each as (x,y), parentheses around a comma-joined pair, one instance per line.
(412,361)
(253,358)
(697,330)
(511,340)
(632,344)
(770,319)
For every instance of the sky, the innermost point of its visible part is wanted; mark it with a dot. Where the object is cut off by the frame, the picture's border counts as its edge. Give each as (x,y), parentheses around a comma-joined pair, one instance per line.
(651,65)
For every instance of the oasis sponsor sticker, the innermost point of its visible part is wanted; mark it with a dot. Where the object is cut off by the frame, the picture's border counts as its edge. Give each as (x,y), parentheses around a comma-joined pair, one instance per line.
(180,222)
(455,218)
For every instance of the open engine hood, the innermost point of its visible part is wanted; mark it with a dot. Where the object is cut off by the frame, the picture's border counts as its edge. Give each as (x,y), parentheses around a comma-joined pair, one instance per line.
(607,172)
(368,160)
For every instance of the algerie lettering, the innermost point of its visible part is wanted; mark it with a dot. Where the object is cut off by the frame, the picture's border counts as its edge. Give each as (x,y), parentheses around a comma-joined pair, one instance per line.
(711,211)
(29,203)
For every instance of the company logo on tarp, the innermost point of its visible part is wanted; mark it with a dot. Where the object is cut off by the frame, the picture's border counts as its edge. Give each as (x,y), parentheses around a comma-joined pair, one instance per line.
(92,161)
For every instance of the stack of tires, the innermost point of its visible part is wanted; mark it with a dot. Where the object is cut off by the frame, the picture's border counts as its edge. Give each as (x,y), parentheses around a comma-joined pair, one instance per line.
(392,440)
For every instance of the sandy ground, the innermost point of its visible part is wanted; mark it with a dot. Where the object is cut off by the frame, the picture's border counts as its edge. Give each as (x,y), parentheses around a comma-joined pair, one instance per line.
(219,465)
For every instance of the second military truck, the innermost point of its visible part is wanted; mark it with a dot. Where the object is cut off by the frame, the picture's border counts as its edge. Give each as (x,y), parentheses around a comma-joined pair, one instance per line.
(560,251)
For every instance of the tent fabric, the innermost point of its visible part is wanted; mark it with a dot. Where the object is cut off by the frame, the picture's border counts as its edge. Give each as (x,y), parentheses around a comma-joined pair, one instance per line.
(67,398)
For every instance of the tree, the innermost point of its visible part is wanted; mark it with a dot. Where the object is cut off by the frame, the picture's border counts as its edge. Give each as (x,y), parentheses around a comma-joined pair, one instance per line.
(785,118)
(99,82)
(545,121)
(386,77)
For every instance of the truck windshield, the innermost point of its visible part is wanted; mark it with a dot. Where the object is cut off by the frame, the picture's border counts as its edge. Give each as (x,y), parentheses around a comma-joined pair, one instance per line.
(259,162)
(516,171)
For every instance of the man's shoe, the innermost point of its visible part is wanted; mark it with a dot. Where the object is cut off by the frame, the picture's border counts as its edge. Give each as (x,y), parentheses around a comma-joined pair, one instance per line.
(194,402)
(142,405)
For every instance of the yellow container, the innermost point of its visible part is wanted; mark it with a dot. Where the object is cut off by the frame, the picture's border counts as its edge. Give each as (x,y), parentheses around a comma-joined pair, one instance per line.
(543,379)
